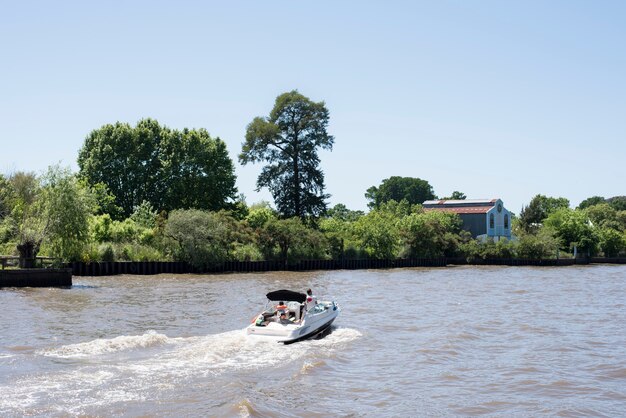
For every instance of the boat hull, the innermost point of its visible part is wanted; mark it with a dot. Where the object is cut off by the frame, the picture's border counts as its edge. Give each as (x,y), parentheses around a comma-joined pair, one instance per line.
(289,332)
(311,334)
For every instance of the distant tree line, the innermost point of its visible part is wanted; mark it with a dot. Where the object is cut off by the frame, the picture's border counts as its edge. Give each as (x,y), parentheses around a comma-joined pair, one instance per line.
(151,193)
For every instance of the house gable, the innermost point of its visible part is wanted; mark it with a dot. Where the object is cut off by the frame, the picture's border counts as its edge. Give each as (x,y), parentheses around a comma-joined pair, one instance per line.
(481,217)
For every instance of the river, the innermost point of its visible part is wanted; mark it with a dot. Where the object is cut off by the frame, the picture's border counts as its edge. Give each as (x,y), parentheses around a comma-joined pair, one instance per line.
(459,341)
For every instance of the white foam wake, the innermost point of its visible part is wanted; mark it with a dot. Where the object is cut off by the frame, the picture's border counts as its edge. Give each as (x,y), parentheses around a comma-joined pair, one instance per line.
(112,345)
(79,388)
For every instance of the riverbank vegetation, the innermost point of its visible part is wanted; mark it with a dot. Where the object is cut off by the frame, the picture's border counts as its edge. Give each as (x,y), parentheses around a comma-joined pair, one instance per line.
(151,193)
(59,215)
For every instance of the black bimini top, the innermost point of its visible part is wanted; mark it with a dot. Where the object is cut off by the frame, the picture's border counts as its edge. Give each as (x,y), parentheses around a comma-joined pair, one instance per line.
(289,295)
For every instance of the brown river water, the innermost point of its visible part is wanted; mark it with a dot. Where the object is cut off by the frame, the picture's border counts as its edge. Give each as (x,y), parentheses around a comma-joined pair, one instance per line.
(459,341)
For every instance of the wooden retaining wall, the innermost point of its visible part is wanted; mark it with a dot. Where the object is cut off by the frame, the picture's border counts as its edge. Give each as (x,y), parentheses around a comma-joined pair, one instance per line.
(112,268)
(47,277)
(614,260)
(517,262)
(105,268)
(157,267)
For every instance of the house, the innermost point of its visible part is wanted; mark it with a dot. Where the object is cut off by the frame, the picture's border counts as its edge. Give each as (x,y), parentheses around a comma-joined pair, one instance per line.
(483,218)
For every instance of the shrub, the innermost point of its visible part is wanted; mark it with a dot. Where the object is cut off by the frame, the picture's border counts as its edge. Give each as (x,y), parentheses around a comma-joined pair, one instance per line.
(247,252)
(106,253)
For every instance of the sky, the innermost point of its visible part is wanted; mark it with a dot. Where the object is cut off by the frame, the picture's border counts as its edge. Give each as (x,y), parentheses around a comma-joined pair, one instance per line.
(494,99)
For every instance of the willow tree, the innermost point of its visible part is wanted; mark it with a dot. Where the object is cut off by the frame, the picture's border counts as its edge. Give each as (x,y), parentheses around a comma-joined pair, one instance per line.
(53,209)
(288,141)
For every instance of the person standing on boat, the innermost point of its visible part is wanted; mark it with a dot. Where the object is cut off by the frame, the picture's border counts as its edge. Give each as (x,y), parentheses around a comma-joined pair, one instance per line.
(311,300)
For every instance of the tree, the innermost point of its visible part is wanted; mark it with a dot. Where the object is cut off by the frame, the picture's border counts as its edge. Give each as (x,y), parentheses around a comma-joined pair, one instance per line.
(290,239)
(170,169)
(413,190)
(288,141)
(612,241)
(541,245)
(259,215)
(617,202)
(67,206)
(197,172)
(430,234)
(456,195)
(54,210)
(27,218)
(539,208)
(203,237)
(591,201)
(6,197)
(341,212)
(377,233)
(573,229)
(604,215)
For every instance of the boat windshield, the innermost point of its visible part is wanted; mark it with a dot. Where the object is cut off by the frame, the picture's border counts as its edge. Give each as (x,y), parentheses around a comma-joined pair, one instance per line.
(318,308)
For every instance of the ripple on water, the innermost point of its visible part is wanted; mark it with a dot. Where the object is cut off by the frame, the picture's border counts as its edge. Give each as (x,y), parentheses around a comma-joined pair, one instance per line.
(463,341)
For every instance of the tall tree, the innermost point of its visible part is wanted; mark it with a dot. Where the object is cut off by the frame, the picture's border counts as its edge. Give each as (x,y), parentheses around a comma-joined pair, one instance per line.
(67,206)
(413,190)
(539,208)
(169,169)
(288,141)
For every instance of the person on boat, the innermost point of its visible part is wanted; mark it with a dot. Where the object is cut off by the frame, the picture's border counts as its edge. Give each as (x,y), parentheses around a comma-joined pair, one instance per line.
(311,300)
(281,309)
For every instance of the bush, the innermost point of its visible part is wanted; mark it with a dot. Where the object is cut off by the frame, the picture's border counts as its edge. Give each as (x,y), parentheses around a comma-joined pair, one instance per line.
(138,252)
(202,237)
(537,246)
(8,248)
(489,249)
(106,253)
(247,252)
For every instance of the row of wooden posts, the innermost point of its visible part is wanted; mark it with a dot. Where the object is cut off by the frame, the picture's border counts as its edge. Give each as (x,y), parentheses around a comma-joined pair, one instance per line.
(158,267)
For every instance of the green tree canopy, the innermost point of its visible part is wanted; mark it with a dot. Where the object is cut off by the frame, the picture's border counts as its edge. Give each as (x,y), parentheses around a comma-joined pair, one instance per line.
(591,201)
(67,206)
(259,215)
(377,234)
(456,195)
(617,202)
(53,210)
(413,190)
(289,239)
(341,212)
(542,244)
(539,208)
(6,197)
(288,141)
(202,237)
(573,229)
(168,168)
(430,234)
(612,242)
(604,215)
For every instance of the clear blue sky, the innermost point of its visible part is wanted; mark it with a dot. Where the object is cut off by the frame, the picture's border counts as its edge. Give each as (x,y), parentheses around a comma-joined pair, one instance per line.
(492,98)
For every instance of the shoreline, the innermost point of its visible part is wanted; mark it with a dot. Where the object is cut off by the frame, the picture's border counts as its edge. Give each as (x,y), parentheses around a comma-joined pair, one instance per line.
(112,268)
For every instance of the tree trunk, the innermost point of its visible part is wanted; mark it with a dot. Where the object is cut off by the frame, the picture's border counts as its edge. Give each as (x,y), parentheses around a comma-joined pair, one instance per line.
(28,253)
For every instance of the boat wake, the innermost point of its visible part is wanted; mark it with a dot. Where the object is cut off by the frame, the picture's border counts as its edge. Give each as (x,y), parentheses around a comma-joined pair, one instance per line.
(106,346)
(104,374)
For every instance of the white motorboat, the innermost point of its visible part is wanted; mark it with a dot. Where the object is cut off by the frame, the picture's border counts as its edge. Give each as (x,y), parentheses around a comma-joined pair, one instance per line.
(293,322)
